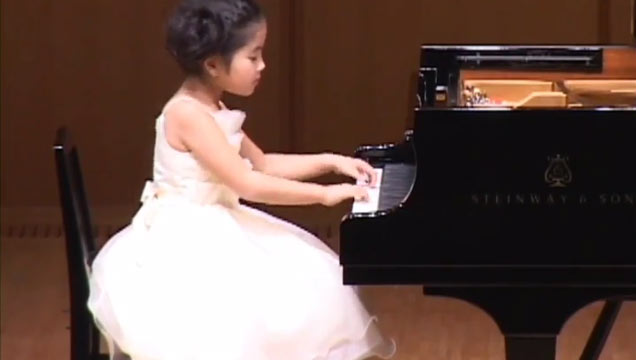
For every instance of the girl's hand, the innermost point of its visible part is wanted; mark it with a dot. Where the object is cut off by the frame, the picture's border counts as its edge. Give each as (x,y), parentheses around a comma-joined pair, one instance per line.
(335,194)
(355,168)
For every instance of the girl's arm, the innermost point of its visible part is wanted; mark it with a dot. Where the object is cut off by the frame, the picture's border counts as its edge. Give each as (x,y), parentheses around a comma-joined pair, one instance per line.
(304,166)
(288,166)
(206,141)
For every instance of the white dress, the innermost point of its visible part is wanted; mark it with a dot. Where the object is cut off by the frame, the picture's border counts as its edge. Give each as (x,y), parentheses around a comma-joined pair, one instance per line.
(198,276)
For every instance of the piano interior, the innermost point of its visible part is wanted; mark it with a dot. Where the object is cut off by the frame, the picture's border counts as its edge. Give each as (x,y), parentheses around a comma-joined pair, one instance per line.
(519,93)
(614,85)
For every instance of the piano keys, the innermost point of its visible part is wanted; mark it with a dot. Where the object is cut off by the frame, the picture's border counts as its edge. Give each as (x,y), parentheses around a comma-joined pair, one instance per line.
(394,184)
(372,203)
(525,209)
(396,166)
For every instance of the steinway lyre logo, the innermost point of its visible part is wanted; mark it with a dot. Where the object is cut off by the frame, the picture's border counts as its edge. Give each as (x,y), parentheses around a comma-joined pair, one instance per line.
(558,173)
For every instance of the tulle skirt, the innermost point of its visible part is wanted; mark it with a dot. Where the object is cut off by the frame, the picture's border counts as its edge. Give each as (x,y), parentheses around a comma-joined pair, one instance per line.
(191,281)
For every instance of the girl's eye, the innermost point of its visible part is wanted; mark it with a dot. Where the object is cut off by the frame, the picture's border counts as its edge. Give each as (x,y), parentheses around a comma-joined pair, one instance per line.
(253,58)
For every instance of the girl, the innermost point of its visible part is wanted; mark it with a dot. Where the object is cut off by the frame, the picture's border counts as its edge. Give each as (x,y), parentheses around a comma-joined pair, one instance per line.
(197,275)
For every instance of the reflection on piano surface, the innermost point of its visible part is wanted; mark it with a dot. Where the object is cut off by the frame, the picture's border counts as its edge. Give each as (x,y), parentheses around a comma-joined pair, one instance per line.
(514,190)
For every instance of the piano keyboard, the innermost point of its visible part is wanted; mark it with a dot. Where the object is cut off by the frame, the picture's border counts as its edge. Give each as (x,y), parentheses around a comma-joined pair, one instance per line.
(371,204)
(394,183)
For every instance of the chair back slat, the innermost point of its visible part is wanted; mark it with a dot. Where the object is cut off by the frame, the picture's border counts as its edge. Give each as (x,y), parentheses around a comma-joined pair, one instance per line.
(80,244)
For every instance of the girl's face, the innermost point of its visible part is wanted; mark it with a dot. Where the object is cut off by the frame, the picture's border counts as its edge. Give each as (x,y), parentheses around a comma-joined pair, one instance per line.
(244,72)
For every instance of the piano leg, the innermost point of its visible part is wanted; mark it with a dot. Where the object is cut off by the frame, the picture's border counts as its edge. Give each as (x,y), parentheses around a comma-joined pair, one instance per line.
(601,330)
(527,347)
(529,317)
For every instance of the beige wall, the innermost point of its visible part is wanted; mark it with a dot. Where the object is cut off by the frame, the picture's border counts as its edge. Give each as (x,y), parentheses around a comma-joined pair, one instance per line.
(338,75)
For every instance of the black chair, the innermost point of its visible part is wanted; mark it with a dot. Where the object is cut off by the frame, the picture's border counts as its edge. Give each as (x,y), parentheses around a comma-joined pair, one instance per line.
(80,247)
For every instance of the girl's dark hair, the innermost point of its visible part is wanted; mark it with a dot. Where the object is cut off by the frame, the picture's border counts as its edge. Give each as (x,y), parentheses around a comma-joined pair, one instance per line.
(202,28)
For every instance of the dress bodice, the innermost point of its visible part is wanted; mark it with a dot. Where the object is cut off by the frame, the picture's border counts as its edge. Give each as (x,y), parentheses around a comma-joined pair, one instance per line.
(179,173)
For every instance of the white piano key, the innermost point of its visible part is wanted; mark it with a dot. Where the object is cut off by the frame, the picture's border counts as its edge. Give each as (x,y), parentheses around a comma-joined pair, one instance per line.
(370,205)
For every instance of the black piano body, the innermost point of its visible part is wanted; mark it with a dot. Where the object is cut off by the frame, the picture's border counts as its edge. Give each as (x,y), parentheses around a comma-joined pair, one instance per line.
(526,212)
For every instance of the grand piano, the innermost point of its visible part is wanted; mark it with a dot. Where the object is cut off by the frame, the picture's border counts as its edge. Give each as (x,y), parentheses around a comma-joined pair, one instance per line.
(514,189)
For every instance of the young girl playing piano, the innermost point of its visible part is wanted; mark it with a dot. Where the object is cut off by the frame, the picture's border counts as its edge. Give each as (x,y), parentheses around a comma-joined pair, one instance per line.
(197,275)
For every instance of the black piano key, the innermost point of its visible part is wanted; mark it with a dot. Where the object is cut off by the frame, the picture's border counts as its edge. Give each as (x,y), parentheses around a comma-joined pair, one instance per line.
(397,180)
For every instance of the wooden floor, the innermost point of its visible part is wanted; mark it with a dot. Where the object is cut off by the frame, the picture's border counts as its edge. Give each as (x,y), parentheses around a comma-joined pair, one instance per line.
(34,315)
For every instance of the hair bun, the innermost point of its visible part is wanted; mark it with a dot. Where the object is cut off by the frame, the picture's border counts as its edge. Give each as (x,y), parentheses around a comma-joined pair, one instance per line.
(207,28)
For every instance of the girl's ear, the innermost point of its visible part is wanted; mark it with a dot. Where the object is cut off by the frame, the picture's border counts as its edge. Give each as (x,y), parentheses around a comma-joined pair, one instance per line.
(213,65)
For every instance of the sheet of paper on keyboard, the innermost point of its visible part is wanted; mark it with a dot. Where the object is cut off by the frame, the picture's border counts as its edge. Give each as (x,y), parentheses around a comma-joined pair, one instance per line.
(370,205)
